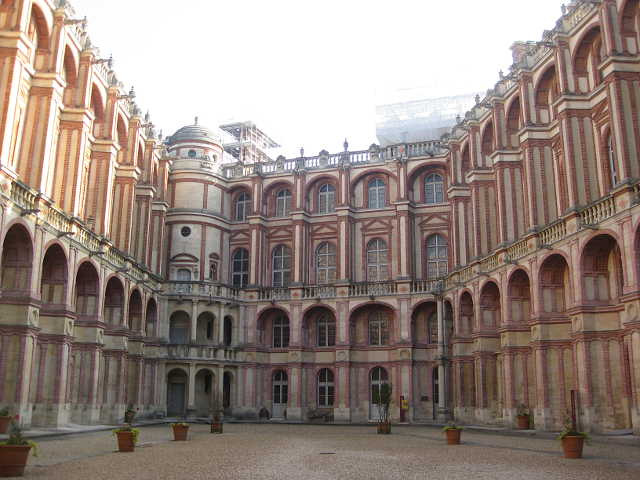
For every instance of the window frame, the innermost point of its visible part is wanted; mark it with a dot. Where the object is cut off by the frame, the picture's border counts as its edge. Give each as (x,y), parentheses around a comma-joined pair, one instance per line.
(242,274)
(378,327)
(436,182)
(283,201)
(280,332)
(378,265)
(242,205)
(326,331)
(326,274)
(325,388)
(379,192)
(438,262)
(328,192)
(281,270)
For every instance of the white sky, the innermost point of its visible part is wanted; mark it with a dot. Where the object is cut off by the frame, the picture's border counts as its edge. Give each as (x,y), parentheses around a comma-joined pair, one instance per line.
(308,73)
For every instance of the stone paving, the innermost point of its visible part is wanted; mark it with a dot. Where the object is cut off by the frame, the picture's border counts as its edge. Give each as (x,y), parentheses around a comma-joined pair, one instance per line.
(247,451)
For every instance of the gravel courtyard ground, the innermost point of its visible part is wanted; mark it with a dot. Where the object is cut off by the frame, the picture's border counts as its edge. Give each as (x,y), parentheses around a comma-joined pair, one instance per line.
(324,452)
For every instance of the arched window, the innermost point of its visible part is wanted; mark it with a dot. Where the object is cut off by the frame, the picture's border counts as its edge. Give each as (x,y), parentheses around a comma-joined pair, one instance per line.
(377,193)
(283,203)
(327,199)
(378,329)
(326,388)
(280,332)
(326,263)
(377,266)
(240,268)
(326,331)
(243,206)
(613,168)
(433,189)
(437,257)
(281,275)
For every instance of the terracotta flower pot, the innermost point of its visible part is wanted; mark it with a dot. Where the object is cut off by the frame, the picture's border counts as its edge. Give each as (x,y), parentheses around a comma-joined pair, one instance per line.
(4,424)
(523,422)
(216,427)
(126,441)
(180,432)
(572,446)
(384,428)
(13,459)
(453,436)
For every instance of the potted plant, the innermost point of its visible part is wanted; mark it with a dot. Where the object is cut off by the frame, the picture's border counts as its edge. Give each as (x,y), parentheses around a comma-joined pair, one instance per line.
(216,415)
(523,417)
(382,398)
(129,414)
(14,452)
(5,420)
(180,431)
(572,439)
(453,432)
(127,438)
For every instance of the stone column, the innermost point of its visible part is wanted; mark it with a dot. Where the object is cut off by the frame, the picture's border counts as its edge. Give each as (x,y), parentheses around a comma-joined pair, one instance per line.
(191,395)
(443,378)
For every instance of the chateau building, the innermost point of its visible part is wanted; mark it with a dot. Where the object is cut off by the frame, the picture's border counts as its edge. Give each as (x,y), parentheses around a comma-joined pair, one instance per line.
(494,267)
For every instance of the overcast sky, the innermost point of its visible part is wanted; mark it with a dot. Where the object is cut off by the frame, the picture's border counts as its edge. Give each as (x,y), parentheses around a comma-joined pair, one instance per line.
(309,73)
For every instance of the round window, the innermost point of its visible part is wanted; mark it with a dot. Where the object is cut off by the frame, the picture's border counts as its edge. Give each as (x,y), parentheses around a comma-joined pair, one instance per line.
(186,231)
(192,154)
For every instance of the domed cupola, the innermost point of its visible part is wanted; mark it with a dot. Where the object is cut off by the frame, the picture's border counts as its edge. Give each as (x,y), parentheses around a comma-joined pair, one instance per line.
(196,143)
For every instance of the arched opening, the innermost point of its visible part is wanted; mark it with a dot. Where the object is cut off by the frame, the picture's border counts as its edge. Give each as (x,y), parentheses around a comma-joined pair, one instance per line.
(554,283)
(97,108)
(319,328)
(490,306)
(177,382)
(206,331)
(602,271)
(465,162)
(379,377)
(53,284)
(488,145)
(86,287)
(514,123)
(204,392)
(38,34)
(135,311)
(630,26)
(467,322)
(17,261)
(152,318)
(520,297)
(70,75)
(588,57)
(546,94)
(280,390)
(424,324)
(114,302)
(227,333)
(273,329)
(179,328)
(372,325)
(227,385)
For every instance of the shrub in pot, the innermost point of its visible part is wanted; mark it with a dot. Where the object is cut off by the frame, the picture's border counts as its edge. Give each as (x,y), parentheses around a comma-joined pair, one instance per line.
(216,424)
(5,420)
(382,398)
(180,431)
(129,414)
(572,442)
(523,417)
(127,438)
(14,452)
(452,432)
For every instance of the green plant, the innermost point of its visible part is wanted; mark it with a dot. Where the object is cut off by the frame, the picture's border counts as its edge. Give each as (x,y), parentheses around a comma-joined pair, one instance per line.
(135,431)
(17,438)
(382,398)
(451,426)
(571,430)
(180,424)
(4,412)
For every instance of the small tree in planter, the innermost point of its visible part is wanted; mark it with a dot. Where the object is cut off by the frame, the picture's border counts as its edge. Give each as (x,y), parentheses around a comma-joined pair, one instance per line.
(453,432)
(127,438)
(14,452)
(572,439)
(180,431)
(5,420)
(383,398)
(216,415)
(523,417)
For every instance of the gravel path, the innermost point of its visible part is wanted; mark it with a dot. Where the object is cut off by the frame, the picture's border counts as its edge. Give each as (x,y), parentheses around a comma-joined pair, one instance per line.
(310,452)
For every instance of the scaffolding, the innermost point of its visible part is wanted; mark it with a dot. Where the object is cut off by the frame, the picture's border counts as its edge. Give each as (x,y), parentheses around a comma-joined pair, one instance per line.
(249,144)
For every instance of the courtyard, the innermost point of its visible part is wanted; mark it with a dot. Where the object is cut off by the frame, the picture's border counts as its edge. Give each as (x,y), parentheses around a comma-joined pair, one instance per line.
(266,451)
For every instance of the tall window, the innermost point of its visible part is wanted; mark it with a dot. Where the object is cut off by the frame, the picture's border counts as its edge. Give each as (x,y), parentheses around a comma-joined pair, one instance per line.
(612,162)
(280,387)
(281,275)
(326,331)
(326,388)
(379,377)
(376,193)
(280,332)
(377,266)
(326,263)
(327,199)
(184,275)
(433,189)
(243,206)
(437,257)
(240,268)
(283,203)
(378,329)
